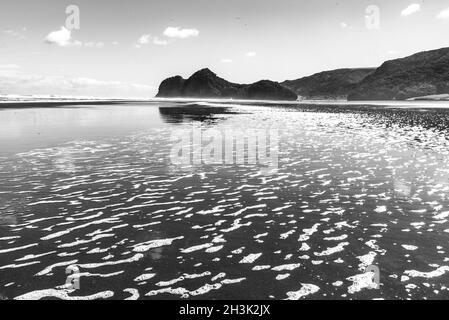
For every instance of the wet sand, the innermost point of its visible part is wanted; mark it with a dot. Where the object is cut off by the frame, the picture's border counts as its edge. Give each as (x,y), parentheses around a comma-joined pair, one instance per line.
(355,187)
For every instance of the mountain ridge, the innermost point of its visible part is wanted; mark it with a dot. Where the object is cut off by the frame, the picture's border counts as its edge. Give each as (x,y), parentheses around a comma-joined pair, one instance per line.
(423,74)
(332,84)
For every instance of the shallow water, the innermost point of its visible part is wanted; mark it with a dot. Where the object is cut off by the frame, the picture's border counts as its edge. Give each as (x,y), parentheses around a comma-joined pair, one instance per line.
(94,187)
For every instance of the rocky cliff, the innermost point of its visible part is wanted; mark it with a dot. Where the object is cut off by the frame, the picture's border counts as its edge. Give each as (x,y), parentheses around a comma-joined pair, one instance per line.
(206,84)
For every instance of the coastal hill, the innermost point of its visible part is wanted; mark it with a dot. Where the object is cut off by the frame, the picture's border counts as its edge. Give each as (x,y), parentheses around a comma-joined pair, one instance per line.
(422,74)
(334,84)
(206,84)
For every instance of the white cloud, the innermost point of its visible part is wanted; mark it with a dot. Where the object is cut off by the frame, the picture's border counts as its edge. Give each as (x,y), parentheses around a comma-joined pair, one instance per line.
(175,32)
(9,66)
(345,25)
(62,38)
(148,38)
(9,69)
(81,82)
(170,32)
(411,9)
(160,42)
(25,84)
(97,45)
(443,14)
(145,39)
(250,54)
(226,61)
(15,34)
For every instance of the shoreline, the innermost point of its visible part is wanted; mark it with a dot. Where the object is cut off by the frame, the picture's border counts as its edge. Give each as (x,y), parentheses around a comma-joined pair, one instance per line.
(220,102)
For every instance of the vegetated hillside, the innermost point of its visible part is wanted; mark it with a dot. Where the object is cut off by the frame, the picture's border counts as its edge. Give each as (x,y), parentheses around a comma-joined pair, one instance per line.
(422,74)
(334,84)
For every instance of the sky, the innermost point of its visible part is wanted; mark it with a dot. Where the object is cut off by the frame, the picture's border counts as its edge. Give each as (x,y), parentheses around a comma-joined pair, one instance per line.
(126,48)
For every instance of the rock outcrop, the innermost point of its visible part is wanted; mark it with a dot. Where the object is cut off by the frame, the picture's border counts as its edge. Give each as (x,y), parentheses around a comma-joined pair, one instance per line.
(206,84)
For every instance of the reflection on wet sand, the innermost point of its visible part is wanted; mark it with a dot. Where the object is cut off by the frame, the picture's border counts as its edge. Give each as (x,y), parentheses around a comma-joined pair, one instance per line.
(193,112)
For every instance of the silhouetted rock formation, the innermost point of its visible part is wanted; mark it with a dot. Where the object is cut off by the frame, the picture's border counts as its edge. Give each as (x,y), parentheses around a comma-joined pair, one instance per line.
(171,87)
(206,84)
(334,84)
(422,74)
